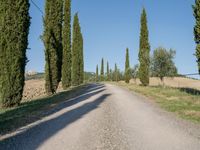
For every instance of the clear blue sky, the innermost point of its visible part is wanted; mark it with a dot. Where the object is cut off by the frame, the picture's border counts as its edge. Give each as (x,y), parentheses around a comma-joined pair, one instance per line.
(109,26)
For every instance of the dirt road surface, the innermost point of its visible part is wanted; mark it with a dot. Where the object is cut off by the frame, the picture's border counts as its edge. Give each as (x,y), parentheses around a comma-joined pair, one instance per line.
(106,117)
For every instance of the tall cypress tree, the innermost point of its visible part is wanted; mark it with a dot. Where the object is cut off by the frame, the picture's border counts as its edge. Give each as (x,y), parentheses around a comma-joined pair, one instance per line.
(14,27)
(76,52)
(66,66)
(144,51)
(52,38)
(102,70)
(81,70)
(127,67)
(108,72)
(97,73)
(196,9)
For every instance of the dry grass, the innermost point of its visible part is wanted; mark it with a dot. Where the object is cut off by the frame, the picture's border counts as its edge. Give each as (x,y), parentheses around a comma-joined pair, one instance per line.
(178,82)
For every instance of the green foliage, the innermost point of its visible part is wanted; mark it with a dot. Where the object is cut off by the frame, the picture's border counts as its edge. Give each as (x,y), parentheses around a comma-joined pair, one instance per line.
(89,77)
(81,60)
(196,9)
(116,74)
(97,74)
(52,38)
(108,72)
(162,64)
(77,53)
(14,27)
(144,51)
(127,67)
(102,70)
(66,66)
(134,72)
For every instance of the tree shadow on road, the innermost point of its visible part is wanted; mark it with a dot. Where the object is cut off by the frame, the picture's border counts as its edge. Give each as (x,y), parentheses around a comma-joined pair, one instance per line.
(30,112)
(35,136)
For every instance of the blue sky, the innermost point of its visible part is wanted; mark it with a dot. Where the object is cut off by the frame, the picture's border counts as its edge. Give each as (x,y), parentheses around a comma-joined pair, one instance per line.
(109,26)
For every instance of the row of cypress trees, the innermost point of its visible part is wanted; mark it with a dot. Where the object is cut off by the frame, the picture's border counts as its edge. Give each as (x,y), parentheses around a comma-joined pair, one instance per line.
(64,59)
(144,57)
(14,30)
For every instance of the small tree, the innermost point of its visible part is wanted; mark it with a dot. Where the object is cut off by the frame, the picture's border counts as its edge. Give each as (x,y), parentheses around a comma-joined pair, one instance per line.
(116,74)
(127,67)
(162,64)
(102,70)
(108,72)
(97,74)
(196,9)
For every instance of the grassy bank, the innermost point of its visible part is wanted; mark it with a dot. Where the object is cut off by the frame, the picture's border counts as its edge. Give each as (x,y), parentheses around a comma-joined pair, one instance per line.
(185,102)
(28,112)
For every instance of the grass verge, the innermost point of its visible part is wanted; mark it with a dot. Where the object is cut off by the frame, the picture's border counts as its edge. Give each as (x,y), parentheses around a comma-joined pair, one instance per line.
(184,102)
(28,112)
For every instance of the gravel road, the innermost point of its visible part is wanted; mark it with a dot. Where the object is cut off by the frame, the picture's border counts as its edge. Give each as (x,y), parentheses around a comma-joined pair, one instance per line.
(106,117)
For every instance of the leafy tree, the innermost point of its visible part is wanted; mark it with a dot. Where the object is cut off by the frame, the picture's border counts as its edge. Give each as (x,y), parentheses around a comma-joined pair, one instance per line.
(196,9)
(127,67)
(144,51)
(97,74)
(134,72)
(102,70)
(14,27)
(67,54)
(52,38)
(108,72)
(162,64)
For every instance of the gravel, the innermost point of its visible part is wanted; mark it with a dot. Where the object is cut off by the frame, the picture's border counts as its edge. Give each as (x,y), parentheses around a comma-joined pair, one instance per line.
(106,117)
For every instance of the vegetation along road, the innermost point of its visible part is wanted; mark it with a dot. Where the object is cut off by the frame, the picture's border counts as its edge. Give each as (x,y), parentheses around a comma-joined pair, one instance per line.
(106,117)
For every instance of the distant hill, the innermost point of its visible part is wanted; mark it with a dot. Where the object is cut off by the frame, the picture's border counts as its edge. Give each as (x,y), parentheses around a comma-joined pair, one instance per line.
(35,76)
(89,76)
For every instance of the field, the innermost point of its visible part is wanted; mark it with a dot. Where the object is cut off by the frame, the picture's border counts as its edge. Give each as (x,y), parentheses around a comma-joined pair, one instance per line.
(178,82)
(35,88)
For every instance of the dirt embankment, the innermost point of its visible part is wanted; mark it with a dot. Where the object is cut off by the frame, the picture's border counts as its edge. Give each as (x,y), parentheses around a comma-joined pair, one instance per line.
(35,89)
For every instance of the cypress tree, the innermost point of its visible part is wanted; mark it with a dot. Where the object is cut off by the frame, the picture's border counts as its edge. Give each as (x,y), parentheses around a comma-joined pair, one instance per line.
(144,51)
(77,53)
(81,59)
(66,66)
(102,70)
(108,72)
(116,74)
(196,9)
(14,27)
(97,73)
(127,67)
(52,38)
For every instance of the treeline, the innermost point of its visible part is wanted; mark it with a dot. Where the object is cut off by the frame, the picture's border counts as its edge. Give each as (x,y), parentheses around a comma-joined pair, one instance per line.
(160,64)
(63,56)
